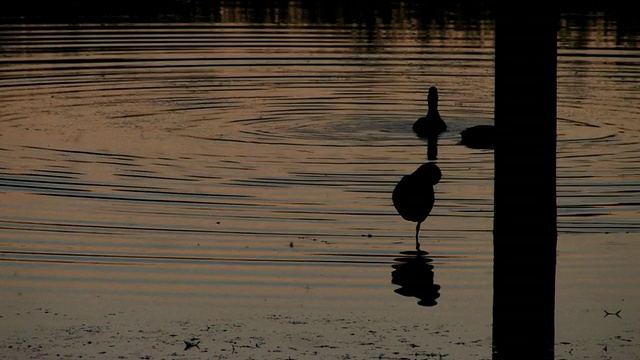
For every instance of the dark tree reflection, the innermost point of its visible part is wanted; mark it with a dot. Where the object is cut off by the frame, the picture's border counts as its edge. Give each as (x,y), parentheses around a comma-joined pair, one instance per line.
(372,18)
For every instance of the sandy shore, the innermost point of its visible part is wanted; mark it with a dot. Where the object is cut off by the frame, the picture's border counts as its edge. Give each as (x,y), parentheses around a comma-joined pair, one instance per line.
(110,327)
(107,327)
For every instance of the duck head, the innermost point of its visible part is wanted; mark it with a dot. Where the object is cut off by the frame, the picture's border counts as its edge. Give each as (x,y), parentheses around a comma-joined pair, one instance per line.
(432,98)
(430,172)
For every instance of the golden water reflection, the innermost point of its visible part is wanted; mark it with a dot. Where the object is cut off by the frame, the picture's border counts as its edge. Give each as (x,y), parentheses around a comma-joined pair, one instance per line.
(227,163)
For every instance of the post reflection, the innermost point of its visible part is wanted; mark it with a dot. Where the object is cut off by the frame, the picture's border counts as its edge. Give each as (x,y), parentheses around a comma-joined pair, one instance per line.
(414,274)
(524,300)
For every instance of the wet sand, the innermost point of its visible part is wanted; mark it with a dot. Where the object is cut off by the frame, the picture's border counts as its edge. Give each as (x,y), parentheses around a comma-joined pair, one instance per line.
(108,328)
(95,328)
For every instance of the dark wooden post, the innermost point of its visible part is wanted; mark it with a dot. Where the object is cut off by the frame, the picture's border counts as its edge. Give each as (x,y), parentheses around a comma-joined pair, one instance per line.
(525,231)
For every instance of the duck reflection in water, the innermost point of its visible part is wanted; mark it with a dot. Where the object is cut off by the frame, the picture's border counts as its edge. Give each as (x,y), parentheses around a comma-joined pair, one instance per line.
(413,272)
(413,196)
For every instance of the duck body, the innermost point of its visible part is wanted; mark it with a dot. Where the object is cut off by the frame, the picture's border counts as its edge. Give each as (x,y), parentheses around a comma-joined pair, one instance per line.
(413,198)
(432,124)
(479,137)
(429,126)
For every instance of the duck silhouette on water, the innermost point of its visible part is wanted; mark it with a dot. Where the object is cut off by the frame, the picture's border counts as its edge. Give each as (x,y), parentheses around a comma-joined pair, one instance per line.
(479,137)
(431,125)
(413,196)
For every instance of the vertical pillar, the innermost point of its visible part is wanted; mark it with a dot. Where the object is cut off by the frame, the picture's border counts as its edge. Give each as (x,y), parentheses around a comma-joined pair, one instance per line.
(525,231)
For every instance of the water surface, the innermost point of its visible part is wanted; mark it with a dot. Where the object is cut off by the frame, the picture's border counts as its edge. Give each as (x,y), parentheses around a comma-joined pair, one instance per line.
(236,160)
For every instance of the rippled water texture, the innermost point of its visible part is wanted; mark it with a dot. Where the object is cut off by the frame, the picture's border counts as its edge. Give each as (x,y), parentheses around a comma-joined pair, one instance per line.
(259,160)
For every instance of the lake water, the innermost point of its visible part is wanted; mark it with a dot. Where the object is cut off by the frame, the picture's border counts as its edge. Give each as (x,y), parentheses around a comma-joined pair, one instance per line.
(238,160)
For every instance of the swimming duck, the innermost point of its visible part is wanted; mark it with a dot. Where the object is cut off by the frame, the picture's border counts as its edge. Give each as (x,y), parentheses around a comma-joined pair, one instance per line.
(432,124)
(479,137)
(413,196)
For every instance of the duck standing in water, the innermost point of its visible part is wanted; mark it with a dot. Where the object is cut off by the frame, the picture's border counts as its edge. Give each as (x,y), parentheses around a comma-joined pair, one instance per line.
(413,196)
(432,125)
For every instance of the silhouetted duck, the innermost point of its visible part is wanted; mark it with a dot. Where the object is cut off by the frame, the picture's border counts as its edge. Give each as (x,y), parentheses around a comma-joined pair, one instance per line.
(413,196)
(479,137)
(432,124)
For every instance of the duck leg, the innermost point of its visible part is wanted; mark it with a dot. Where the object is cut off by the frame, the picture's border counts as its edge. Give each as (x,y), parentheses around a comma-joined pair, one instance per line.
(417,233)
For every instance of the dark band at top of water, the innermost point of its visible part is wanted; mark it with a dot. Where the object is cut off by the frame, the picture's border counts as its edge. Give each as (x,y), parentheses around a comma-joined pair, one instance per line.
(376,14)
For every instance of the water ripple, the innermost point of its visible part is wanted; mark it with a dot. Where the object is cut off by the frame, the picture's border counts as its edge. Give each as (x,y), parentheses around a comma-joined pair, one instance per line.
(200,143)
